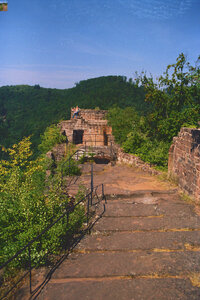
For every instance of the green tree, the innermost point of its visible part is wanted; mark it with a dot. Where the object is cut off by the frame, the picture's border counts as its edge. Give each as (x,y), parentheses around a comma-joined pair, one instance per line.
(51,137)
(178,87)
(29,201)
(122,122)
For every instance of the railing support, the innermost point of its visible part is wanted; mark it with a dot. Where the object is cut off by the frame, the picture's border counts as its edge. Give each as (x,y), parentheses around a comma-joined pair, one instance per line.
(103,195)
(86,200)
(92,183)
(30,274)
(88,209)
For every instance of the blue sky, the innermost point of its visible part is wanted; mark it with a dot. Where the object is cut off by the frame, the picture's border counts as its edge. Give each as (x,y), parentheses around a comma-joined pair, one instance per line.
(57,43)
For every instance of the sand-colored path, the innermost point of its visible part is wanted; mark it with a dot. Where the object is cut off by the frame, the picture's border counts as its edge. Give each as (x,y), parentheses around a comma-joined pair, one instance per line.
(120,179)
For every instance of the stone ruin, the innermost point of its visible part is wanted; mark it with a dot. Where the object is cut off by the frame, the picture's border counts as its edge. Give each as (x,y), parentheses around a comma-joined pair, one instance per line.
(88,128)
(184,161)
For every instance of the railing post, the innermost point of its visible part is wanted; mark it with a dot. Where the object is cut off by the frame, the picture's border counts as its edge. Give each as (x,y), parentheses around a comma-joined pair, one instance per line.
(92,183)
(30,275)
(88,209)
(103,195)
(69,166)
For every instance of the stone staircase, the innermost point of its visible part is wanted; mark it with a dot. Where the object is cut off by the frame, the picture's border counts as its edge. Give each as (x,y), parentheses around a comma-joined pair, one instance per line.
(145,247)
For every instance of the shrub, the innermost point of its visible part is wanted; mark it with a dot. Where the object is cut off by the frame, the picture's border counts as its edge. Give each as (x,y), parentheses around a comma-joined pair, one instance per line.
(50,138)
(68,167)
(29,202)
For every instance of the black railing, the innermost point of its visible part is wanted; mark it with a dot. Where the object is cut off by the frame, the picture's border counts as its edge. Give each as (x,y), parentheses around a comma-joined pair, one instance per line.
(89,202)
(91,199)
(86,147)
(68,165)
(88,152)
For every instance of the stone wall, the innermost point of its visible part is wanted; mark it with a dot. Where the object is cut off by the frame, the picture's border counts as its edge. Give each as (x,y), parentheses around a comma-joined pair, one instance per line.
(92,114)
(96,131)
(184,161)
(133,160)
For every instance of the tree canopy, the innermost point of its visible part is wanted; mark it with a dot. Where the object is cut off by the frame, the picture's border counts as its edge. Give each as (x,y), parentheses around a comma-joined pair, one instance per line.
(175,102)
(28,110)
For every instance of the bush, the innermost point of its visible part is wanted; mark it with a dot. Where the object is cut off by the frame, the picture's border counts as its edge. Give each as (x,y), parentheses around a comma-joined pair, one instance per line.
(153,152)
(29,202)
(68,168)
(50,138)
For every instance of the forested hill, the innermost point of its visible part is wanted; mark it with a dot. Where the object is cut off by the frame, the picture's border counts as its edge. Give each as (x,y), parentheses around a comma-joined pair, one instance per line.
(28,110)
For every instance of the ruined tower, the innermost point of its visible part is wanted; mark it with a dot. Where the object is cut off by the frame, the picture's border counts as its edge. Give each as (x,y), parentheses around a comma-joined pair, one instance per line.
(89,127)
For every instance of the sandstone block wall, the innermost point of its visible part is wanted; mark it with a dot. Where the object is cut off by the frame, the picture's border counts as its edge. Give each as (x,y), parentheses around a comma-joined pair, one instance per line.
(94,127)
(91,114)
(184,160)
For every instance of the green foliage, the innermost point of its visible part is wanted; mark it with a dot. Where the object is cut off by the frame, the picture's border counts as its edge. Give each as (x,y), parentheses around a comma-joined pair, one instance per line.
(29,202)
(153,152)
(28,110)
(122,122)
(51,137)
(68,167)
(82,159)
(133,142)
(176,89)
(175,99)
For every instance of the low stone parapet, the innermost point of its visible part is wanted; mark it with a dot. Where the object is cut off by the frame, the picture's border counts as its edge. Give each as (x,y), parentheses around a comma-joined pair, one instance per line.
(134,160)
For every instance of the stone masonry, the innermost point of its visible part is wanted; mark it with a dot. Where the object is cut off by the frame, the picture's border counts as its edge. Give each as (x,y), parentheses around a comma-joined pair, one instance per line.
(184,161)
(89,128)
(133,160)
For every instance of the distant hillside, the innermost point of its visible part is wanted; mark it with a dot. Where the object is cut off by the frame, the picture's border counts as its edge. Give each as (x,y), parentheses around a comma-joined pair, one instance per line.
(28,110)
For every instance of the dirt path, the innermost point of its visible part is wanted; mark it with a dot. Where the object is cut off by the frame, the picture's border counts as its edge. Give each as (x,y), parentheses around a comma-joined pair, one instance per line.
(120,179)
(145,247)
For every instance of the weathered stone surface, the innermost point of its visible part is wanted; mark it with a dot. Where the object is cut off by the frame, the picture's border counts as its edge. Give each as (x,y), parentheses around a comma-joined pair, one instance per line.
(145,246)
(108,264)
(142,256)
(184,160)
(120,180)
(116,240)
(138,289)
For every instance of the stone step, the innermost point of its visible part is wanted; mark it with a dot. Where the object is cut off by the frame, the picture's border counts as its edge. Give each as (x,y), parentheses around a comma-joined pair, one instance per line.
(109,264)
(140,240)
(116,208)
(142,222)
(122,289)
(130,209)
(146,193)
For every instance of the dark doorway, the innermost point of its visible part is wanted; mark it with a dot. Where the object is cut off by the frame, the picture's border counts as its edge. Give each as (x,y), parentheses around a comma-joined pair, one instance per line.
(78,137)
(105,138)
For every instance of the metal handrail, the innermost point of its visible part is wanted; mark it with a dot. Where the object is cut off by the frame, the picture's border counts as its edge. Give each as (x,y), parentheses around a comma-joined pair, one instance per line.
(77,154)
(69,209)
